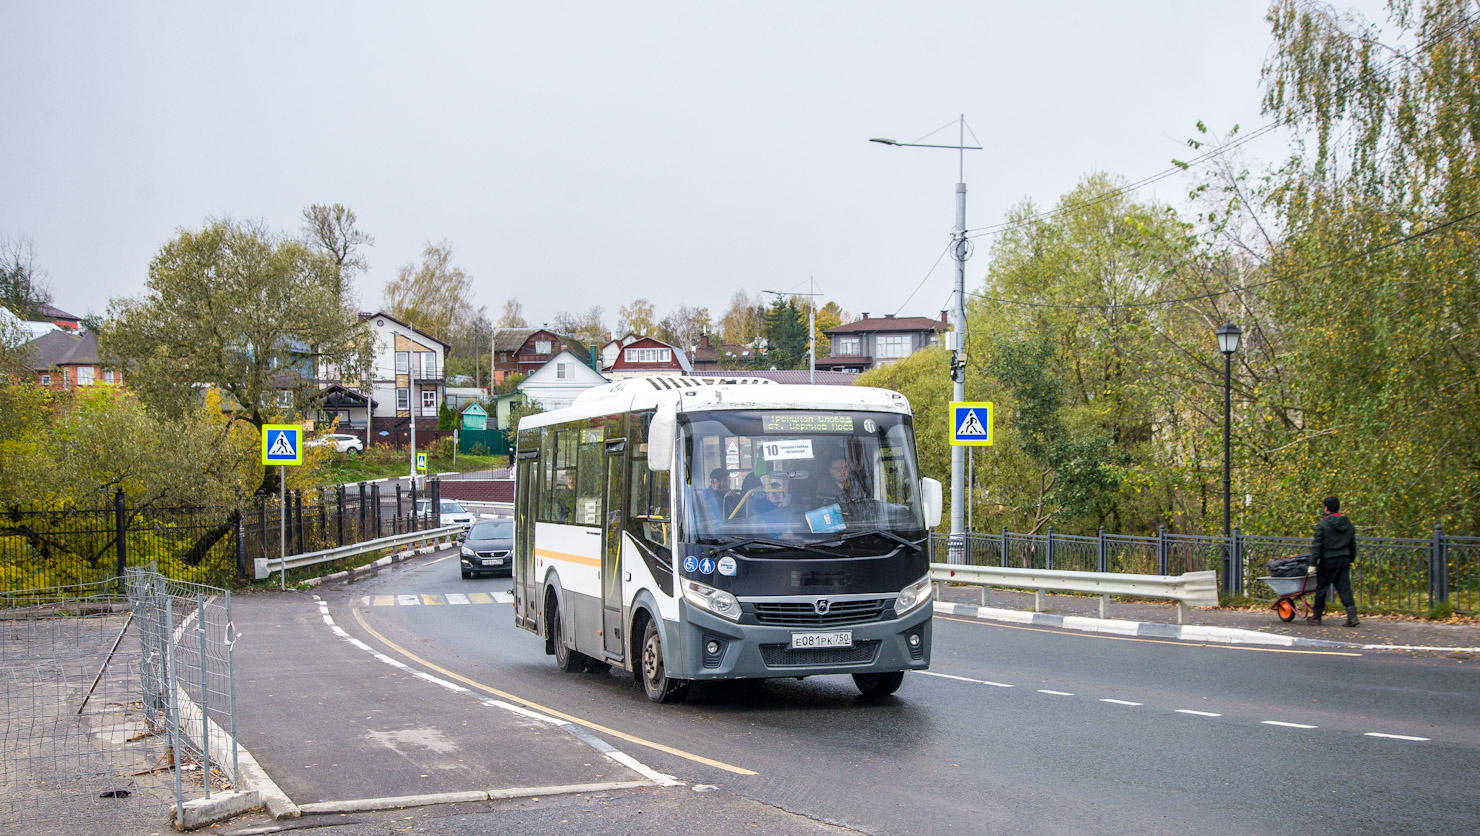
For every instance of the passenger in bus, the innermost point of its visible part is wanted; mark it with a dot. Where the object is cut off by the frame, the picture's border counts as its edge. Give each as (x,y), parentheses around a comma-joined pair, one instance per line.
(717,500)
(565,499)
(753,501)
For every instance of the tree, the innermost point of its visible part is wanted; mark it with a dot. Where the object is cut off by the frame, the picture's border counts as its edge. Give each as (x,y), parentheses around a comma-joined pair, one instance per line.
(637,318)
(432,295)
(331,231)
(785,331)
(233,307)
(512,316)
(684,326)
(741,324)
(587,327)
(22,284)
(828,316)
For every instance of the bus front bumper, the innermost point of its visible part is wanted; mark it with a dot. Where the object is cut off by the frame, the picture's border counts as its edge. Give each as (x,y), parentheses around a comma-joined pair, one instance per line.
(707,647)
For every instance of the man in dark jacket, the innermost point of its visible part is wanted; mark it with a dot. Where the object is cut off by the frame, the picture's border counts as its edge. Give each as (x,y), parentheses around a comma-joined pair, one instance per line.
(1332,550)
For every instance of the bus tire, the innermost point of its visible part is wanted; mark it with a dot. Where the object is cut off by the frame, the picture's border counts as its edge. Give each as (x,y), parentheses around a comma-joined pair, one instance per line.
(659,686)
(878,684)
(565,659)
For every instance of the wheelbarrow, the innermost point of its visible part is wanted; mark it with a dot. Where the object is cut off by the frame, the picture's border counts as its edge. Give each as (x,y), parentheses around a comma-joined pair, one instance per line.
(1292,591)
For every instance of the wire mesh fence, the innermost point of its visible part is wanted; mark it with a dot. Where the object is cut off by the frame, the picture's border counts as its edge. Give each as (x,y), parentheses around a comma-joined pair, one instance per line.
(113,706)
(1408,575)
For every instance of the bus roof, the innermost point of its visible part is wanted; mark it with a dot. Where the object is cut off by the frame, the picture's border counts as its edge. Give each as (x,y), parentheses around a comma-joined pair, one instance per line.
(694,394)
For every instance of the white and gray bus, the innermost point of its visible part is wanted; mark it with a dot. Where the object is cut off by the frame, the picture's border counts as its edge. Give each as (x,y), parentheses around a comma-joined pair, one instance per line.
(693,529)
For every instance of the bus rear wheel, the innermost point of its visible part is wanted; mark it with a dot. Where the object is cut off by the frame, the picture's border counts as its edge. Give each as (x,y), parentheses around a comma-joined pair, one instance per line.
(566,659)
(659,686)
(878,684)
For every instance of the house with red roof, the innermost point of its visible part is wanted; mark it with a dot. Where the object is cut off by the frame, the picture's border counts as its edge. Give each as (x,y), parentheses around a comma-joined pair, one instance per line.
(871,342)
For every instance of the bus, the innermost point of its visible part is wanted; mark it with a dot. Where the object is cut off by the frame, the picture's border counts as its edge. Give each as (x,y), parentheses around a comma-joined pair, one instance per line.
(694,529)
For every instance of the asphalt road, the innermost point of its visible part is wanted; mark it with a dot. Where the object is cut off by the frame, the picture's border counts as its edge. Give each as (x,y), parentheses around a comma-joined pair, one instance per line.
(1014,729)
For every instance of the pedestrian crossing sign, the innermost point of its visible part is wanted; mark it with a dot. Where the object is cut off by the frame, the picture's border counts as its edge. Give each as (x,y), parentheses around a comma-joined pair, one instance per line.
(971,424)
(282,444)
(421,462)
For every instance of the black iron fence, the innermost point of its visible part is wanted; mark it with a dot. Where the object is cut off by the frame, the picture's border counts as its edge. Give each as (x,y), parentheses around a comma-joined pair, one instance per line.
(1390,573)
(45,549)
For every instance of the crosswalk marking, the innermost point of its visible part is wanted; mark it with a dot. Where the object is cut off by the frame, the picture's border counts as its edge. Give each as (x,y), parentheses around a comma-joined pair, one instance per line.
(424,599)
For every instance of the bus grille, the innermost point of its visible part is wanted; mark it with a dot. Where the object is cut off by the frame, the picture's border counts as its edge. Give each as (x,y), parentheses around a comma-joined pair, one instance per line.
(782,656)
(802,614)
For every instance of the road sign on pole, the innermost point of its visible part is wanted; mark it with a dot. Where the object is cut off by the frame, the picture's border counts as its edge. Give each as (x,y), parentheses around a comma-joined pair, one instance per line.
(971,424)
(282,444)
(421,462)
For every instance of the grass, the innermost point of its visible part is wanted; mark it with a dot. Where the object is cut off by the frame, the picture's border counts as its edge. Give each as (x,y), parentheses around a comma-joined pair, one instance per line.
(380,462)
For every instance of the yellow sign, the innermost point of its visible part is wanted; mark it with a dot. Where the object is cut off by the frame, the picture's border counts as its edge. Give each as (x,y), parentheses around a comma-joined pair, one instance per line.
(282,444)
(971,424)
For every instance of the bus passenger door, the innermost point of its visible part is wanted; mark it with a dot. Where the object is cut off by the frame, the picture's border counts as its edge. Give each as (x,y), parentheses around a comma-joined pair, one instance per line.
(526,597)
(611,550)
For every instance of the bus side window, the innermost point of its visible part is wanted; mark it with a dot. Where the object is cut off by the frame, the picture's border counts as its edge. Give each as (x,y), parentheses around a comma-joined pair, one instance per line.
(648,510)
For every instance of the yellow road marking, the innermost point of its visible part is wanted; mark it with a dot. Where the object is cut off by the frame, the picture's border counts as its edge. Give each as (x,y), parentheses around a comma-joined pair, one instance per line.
(440,559)
(738,770)
(480,598)
(1083,635)
(431,599)
(384,601)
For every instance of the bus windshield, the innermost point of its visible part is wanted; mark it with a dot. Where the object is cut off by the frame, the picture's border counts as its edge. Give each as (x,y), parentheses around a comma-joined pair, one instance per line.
(807,478)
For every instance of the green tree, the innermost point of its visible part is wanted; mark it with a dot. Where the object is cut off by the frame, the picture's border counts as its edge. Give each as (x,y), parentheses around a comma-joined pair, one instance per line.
(785,332)
(235,308)
(742,320)
(430,296)
(638,318)
(828,316)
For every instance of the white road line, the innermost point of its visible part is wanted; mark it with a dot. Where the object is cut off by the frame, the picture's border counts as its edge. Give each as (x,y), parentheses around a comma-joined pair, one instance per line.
(1198,713)
(1055,693)
(1288,725)
(1120,702)
(964,679)
(456,598)
(1394,736)
(408,600)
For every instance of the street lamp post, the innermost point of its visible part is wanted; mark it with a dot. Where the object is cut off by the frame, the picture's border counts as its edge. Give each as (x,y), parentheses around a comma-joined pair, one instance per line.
(1228,336)
(961,250)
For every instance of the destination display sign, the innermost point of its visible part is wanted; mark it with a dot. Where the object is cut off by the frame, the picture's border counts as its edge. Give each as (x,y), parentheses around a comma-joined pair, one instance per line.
(808,422)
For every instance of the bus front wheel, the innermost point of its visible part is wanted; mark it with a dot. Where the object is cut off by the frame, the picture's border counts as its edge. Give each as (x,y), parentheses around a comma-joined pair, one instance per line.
(878,684)
(655,680)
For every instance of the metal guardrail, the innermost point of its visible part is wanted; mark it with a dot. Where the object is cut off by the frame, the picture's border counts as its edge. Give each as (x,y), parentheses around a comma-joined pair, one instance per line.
(1195,589)
(263,567)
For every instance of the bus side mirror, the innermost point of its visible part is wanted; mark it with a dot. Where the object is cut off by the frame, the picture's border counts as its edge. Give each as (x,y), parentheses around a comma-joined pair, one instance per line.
(930,494)
(661,434)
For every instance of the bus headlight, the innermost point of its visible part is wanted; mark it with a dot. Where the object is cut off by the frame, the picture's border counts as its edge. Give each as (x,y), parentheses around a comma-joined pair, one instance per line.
(913,596)
(709,599)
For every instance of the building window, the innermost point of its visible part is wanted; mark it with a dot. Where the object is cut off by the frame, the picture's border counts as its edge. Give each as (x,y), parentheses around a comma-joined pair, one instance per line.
(403,362)
(402,400)
(892,347)
(45,380)
(541,346)
(562,371)
(285,398)
(108,376)
(648,355)
(848,347)
(85,375)
(429,402)
(426,364)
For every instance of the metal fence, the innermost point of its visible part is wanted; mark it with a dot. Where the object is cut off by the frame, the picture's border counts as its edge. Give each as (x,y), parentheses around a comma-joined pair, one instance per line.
(1390,573)
(112,706)
(57,549)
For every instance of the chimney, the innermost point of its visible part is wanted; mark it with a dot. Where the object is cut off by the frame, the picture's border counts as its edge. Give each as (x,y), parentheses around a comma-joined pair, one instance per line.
(888,316)
(865,314)
(703,341)
(943,319)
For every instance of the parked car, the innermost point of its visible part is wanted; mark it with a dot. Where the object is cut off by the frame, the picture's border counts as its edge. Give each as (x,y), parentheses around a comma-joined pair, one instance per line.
(452,512)
(341,442)
(489,548)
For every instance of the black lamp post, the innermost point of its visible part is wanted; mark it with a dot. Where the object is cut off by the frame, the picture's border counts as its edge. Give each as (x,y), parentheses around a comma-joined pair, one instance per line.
(1228,336)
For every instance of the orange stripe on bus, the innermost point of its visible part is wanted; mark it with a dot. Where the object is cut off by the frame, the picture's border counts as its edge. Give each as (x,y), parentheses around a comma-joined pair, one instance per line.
(573,558)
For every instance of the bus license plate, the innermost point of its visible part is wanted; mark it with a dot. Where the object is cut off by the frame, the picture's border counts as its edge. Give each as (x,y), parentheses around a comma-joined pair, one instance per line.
(802,641)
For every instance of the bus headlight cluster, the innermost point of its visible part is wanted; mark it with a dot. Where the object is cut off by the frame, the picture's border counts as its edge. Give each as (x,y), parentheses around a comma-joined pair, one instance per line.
(913,596)
(709,599)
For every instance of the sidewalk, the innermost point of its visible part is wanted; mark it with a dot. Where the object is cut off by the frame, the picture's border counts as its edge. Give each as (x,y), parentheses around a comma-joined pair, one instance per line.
(1374,633)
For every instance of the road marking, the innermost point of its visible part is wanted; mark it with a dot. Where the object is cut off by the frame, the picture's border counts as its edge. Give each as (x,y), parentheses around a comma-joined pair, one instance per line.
(1120,702)
(433,599)
(1394,736)
(1055,693)
(965,679)
(738,770)
(440,559)
(1288,725)
(1198,713)
(1173,642)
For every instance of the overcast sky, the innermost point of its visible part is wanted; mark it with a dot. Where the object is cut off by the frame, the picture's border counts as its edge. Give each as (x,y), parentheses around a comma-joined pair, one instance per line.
(579,154)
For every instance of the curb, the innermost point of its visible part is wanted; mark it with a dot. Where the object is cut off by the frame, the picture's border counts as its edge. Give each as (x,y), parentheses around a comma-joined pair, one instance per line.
(1152,629)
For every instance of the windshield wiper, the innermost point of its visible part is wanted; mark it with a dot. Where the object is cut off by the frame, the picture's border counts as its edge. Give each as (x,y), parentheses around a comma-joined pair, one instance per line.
(888,535)
(761,541)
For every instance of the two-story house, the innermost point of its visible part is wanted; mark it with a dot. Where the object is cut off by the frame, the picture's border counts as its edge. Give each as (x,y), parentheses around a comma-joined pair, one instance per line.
(557,383)
(63,360)
(871,342)
(646,356)
(523,350)
(408,377)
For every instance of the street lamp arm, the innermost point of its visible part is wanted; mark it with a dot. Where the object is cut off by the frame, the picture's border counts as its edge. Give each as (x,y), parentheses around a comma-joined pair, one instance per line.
(926,145)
